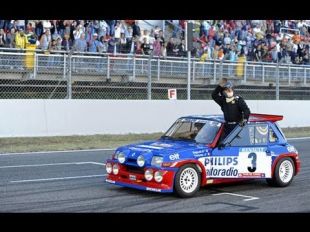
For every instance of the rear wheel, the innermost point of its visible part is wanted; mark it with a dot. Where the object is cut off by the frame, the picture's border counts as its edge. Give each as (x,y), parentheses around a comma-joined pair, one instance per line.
(187,181)
(283,174)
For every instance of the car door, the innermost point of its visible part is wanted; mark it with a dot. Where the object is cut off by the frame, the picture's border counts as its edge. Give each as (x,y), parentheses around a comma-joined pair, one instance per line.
(244,154)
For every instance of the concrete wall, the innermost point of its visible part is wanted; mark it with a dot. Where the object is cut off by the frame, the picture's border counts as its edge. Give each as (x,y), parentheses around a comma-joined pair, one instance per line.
(84,117)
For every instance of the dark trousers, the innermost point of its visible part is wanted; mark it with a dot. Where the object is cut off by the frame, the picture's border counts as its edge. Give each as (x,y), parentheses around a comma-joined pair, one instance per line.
(227,129)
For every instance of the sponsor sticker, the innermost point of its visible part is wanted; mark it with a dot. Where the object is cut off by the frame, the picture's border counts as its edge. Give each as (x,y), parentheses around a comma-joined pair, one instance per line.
(174,156)
(153,189)
(250,163)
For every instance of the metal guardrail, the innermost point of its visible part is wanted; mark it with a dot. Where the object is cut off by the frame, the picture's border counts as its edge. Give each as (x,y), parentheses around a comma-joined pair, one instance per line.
(61,69)
(111,65)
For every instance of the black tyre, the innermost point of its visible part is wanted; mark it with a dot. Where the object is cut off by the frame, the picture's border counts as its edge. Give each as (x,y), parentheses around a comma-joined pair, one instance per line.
(187,181)
(283,173)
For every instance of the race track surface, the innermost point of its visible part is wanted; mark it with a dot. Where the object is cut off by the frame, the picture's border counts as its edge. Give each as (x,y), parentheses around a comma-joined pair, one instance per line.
(75,182)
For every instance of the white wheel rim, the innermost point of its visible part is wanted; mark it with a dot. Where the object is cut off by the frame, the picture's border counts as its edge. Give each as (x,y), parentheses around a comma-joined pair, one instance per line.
(286,171)
(188,180)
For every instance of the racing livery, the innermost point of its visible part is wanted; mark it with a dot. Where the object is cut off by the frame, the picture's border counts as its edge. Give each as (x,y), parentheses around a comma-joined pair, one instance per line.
(194,153)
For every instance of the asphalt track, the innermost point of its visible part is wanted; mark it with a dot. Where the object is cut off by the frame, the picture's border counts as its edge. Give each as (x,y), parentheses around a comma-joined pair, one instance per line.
(75,182)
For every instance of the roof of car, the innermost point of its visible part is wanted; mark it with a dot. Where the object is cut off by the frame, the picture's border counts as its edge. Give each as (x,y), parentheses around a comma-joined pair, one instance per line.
(253,117)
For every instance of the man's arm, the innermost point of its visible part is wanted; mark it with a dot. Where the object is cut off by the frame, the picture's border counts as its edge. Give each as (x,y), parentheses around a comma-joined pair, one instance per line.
(244,108)
(215,94)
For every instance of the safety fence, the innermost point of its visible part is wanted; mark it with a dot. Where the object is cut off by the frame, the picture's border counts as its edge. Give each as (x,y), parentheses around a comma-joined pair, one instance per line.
(114,76)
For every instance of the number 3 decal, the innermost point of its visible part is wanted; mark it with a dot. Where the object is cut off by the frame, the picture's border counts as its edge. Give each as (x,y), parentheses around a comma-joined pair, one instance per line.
(253,157)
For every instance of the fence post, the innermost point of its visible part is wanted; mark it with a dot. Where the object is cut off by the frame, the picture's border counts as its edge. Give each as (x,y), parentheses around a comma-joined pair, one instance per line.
(158,68)
(69,80)
(194,69)
(245,71)
(108,70)
(305,76)
(278,82)
(35,66)
(134,68)
(214,71)
(188,75)
(289,75)
(149,82)
(65,66)
(263,74)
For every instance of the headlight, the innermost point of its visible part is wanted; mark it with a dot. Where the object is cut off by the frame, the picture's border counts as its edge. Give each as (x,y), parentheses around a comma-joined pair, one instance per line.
(108,167)
(157,161)
(140,161)
(158,176)
(148,174)
(121,157)
(115,169)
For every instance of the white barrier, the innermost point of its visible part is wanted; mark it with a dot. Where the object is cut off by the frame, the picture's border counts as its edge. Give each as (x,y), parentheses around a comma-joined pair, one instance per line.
(19,118)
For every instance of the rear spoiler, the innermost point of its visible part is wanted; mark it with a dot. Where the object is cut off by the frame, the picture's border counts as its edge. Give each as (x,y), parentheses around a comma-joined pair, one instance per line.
(265,117)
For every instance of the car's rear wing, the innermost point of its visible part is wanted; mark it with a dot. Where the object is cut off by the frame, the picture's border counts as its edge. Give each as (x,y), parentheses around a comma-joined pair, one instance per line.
(265,117)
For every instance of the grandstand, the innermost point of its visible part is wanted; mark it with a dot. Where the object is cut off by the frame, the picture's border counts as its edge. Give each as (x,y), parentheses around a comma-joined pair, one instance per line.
(117,59)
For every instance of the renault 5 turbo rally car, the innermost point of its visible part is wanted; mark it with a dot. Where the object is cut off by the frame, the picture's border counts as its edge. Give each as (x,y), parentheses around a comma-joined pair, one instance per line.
(193,153)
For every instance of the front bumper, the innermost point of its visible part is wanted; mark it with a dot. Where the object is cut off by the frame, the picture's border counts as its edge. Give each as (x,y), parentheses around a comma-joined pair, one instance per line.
(132,179)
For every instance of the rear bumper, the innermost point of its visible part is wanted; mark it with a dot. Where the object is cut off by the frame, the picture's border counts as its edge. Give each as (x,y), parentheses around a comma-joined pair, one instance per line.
(136,180)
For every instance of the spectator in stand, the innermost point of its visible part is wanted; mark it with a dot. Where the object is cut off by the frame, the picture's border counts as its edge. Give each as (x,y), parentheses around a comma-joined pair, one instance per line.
(136,32)
(80,45)
(2,38)
(145,46)
(58,43)
(103,28)
(123,47)
(157,47)
(161,37)
(138,49)
(170,46)
(10,38)
(29,28)
(45,40)
(66,43)
(20,39)
(103,45)
(93,44)
(80,29)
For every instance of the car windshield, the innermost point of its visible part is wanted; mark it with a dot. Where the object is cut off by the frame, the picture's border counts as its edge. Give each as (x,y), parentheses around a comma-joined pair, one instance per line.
(199,131)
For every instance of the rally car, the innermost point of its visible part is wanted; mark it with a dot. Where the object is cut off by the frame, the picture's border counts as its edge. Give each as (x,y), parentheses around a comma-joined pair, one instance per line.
(194,152)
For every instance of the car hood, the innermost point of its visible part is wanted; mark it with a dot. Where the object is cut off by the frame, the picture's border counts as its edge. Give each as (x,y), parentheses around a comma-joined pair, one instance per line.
(170,150)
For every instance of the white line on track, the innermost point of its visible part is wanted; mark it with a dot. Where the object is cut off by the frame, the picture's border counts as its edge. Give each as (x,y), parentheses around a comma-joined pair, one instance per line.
(300,138)
(57,178)
(52,164)
(67,151)
(249,198)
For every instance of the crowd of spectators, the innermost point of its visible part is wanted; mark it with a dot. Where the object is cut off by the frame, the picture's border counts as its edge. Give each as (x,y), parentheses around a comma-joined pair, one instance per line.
(286,41)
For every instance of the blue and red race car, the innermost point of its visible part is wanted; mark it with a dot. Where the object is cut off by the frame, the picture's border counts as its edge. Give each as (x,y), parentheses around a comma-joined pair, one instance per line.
(193,153)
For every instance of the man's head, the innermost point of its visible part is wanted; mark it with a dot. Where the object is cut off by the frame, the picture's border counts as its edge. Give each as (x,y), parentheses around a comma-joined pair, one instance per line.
(198,126)
(228,89)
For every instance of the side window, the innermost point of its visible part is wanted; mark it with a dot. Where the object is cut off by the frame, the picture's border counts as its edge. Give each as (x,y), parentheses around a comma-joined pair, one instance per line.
(261,134)
(256,134)
(245,137)
(272,136)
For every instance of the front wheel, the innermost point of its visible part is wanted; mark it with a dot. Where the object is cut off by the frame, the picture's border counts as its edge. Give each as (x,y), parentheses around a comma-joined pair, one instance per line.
(283,174)
(187,181)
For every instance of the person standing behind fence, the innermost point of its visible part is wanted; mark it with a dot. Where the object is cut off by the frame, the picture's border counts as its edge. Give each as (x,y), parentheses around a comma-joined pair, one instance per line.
(93,43)
(80,45)
(20,39)
(236,112)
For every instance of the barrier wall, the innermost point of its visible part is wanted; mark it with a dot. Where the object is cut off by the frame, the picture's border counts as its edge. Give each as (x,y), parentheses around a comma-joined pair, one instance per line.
(19,118)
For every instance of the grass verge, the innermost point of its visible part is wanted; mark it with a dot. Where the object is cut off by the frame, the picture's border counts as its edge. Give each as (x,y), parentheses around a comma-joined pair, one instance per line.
(59,143)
